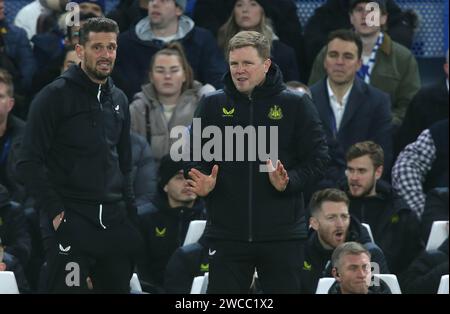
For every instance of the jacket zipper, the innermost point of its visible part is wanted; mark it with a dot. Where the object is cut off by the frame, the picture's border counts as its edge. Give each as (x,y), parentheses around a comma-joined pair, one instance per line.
(100,214)
(98,96)
(250,185)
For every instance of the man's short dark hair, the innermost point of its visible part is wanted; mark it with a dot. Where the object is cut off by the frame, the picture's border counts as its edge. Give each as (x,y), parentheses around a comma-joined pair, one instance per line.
(327,195)
(83,17)
(347,35)
(97,25)
(6,79)
(367,148)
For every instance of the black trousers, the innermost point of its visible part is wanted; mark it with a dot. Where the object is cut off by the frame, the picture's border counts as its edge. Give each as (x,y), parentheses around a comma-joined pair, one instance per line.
(79,250)
(232,265)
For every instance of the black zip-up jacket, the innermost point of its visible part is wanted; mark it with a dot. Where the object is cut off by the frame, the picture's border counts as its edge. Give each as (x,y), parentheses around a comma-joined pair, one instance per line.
(244,205)
(383,288)
(163,229)
(317,262)
(395,227)
(76,148)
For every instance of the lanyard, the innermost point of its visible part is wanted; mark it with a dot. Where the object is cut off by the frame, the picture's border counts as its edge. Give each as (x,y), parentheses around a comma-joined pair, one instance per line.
(366,69)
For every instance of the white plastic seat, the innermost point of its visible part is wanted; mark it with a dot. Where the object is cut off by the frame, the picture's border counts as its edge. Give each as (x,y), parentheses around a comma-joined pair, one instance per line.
(197,285)
(205,282)
(391,281)
(195,231)
(443,286)
(369,230)
(135,285)
(438,234)
(324,285)
(8,283)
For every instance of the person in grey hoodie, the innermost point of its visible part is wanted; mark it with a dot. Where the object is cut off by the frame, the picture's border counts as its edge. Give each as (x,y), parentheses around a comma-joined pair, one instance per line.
(169,100)
(166,23)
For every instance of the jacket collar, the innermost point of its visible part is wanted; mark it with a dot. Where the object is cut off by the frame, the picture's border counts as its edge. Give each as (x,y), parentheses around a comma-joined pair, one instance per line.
(386,46)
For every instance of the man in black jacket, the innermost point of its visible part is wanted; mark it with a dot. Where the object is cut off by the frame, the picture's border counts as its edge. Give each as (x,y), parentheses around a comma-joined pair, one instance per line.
(164,222)
(76,162)
(256,219)
(395,227)
(332,225)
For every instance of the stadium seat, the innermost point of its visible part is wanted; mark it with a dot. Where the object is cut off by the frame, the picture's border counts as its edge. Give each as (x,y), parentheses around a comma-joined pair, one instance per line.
(8,284)
(438,234)
(195,231)
(443,286)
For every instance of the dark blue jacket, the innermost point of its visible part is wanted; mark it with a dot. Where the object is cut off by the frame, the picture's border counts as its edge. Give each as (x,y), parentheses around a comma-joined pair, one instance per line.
(134,55)
(284,57)
(18,48)
(367,116)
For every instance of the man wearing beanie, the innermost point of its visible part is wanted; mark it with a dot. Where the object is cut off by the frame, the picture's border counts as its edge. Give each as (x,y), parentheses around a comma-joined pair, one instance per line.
(164,223)
(165,23)
(96,7)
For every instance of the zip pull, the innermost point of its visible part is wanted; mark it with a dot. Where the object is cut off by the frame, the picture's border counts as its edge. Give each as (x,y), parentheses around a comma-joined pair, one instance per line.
(100,213)
(98,96)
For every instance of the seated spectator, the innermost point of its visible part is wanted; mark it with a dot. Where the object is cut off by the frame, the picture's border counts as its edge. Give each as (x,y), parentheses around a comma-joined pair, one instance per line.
(395,227)
(424,274)
(386,64)
(13,230)
(95,7)
(16,55)
(144,170)
(351,110)
(27,17)
(186,263)
(128,12)
(9,263)
(299,87)
(428,106)
(331,226)
(436,208)
(11,132)
(250,15)
(169,100)
(166,23)
(352,271)
(333,15)
(422,165)
(164,223)
(212,14)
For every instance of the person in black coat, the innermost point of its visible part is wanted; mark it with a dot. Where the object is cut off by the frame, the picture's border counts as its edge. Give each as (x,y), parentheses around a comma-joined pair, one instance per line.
(395,227)
(425,272)
(164,223)
(186,263)
(333,15)
(430,105)
(212,14)
(128,12)
(332,225)
(436,208)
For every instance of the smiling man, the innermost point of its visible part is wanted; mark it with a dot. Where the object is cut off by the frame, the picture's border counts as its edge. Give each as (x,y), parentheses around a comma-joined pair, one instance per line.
(256,219)
(330,226)
(76,162)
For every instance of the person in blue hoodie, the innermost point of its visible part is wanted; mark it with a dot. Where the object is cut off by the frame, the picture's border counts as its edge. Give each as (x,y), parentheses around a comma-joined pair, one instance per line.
(165,23)
(76,161)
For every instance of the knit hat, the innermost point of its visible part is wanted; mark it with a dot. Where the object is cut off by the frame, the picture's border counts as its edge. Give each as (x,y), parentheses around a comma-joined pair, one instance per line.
(100,3)
(168,169)
(181,4)
(381,3)
(263,3)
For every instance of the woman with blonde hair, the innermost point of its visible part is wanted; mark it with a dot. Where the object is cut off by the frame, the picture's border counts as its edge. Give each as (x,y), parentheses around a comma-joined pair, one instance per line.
(169,100)
(251,15)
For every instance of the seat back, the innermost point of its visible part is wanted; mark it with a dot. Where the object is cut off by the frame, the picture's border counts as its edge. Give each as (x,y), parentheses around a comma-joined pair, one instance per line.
(8,283)
(443,285)
(135,285)
(369,230)
(195,231)
(324,285)
(391,281)
(438,234)
(197,284)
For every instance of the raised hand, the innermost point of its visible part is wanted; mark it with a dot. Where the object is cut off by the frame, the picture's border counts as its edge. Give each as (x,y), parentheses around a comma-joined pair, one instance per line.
(202,184)
(278,176)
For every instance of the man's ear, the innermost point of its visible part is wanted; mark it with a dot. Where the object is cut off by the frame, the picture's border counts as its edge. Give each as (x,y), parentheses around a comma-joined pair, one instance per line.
(166,188)
(79,49)
(2,266)
(379,172)
(267,65)
(335,274)
(314,223)
(11,103)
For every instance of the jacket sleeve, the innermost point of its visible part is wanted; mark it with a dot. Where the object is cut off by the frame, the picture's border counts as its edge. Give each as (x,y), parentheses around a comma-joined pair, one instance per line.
(145,171)
(381,129)
(407,89)
(178,277)
(39,132)
(410,170)
(25,59)
(213,64)
(19,239)
(318,71)
(377,256)
(311,150)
